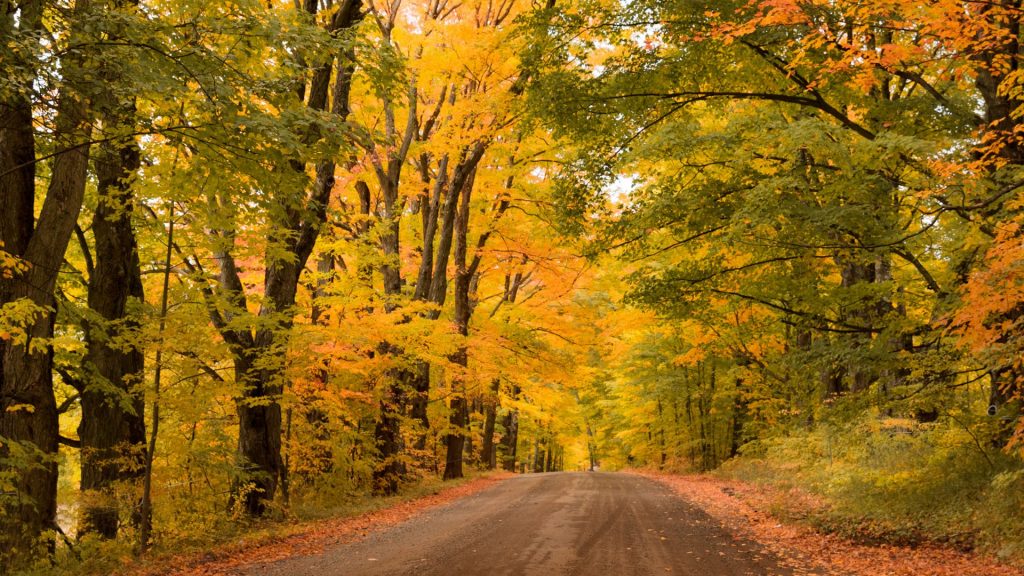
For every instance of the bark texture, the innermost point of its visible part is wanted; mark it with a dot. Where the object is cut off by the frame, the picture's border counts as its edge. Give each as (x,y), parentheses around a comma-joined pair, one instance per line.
(28,411)
(112,430)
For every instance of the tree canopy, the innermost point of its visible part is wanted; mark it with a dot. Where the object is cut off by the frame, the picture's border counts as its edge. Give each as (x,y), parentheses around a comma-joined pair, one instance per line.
(258,258)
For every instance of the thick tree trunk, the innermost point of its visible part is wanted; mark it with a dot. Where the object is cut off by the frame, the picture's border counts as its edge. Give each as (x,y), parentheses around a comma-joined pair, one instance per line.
(420,401)
(28,411)
(431,210)
(112,430)
(259,371)
(259,408)
(739,414)
(1004,402)
(459,408)
(456,439)
(854,273)
(309,407)
(259,436)
(28,420)
(387,433)
(1003,120)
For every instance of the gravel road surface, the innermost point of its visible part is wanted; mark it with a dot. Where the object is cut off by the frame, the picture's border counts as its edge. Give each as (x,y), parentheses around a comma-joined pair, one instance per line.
(581,524)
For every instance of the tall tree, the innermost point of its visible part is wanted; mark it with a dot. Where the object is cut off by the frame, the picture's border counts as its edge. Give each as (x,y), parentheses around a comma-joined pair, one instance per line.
(28,410)
(112,428)
(296,224)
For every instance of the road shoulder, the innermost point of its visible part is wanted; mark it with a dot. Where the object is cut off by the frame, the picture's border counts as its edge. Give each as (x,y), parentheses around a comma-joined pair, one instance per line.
(739,508)
(307,538)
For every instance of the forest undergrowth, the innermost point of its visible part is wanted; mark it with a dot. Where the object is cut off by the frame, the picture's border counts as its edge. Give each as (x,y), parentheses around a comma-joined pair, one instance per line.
(213,547)
(878,483)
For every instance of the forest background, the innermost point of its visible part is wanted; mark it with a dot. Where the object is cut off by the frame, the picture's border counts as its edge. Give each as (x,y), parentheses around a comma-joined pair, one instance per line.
(263,260)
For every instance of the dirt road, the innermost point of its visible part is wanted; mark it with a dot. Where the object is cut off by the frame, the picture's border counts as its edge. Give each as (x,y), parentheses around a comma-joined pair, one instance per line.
(583,524)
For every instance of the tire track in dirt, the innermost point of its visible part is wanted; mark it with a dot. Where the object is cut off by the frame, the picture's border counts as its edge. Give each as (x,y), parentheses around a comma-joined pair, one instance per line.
(578,524)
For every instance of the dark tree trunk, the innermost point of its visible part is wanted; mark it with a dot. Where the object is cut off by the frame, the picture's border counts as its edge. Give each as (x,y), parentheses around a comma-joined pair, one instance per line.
(28,411)
(833,380)
(739,414)
(317,419)
(510,441)
(854,273)
(387,433)
(28,417)
(1003,120)
(459,408)
(468,448)
(465,277)
(1004,402)
(510,438)
(430,212)
(662,449)
(456,438)
(259,436)
(112,430)
(420,401)
(537,462)
(591,448)
(487,452)
(259,408)
(431,280)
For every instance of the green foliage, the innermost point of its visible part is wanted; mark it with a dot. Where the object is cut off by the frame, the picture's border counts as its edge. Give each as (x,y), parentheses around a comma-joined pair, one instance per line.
(775,235)
(895,482)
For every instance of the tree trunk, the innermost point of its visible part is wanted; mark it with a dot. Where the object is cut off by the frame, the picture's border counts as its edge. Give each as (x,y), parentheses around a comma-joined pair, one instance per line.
(468,449)
(537,459)
(112,430)
(387,433)
(487,453)
(1002,116)
(459,408)
(510,441)
(309,405)
(420,401)
(591,447)
(662,449)
(855,272)
(456,437)
(259,409)
(259,436)
(738,415)
(28,410)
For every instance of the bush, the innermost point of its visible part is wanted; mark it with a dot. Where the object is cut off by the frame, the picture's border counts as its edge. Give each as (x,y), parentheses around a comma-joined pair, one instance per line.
(895,481)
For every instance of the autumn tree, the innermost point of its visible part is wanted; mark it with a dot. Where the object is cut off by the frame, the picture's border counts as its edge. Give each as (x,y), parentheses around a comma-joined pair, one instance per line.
(37,239)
